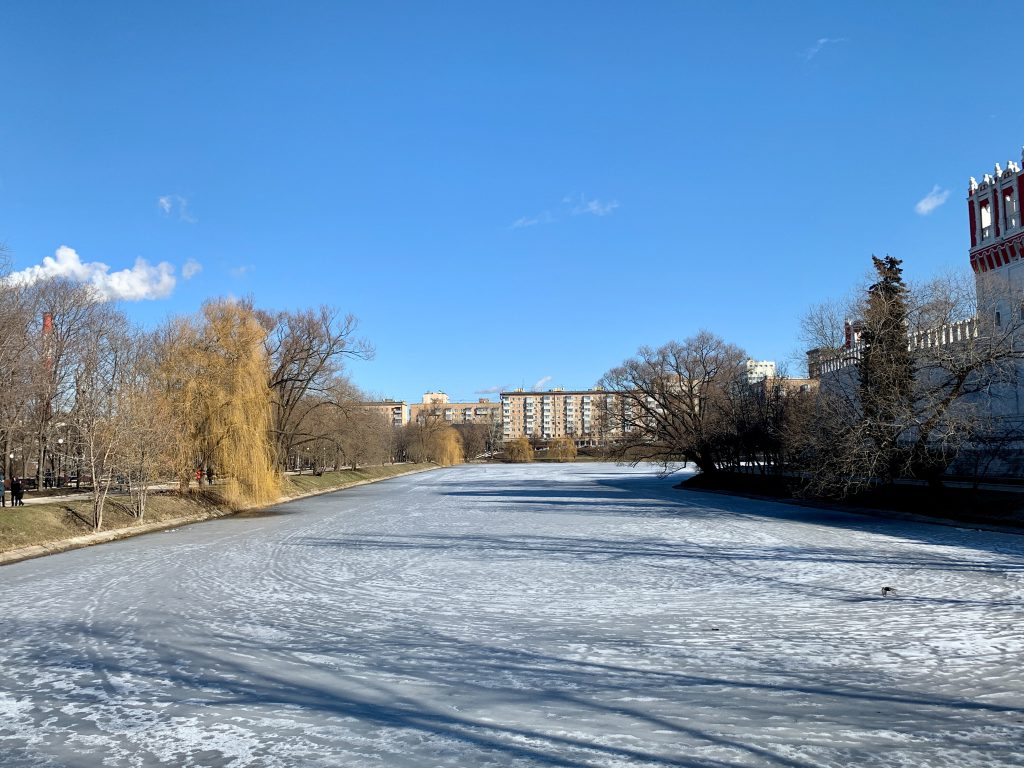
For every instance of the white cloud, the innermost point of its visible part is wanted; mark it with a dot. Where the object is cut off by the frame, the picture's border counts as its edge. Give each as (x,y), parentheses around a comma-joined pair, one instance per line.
(819,44)
(539,384)
(572,205)
(142,281)
(595,207)
(241,271)
(932,200)
(190,269)
(489,391)
(169,203)
(532,221)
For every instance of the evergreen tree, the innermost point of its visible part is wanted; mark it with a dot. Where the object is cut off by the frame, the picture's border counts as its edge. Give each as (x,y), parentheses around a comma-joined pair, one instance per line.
(886,385)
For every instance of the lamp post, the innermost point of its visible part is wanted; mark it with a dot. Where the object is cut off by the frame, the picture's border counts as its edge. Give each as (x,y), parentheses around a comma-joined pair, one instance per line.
(60,462)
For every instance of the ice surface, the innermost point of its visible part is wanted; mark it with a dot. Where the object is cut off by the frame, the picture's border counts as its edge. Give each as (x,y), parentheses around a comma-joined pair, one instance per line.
(567,615)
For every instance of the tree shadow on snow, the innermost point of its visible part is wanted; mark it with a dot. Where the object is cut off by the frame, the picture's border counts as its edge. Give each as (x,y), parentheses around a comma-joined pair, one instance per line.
(649,496)
(414,683)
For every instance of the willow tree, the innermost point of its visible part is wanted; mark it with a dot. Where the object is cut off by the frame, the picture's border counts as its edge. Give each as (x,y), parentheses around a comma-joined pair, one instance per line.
(519,450)
(562,449)
(448,448)
(215,372)
(433,440)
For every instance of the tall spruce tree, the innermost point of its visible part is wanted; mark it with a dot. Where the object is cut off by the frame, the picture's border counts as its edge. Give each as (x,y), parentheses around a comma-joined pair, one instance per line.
(886,385)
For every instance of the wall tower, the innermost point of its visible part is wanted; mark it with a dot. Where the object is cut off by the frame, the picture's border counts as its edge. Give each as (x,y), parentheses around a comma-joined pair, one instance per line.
(997,243)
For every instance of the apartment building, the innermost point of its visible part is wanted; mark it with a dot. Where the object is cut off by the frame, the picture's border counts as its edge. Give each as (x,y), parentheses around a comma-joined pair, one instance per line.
(759,370)
(437,404)
(395,411)
(587,416)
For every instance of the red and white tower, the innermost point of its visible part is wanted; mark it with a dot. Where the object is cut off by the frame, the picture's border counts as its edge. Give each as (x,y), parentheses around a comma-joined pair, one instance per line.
(997,243)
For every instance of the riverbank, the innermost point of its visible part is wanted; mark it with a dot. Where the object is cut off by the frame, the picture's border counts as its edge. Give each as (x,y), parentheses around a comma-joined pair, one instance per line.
(996,508)
(44,527)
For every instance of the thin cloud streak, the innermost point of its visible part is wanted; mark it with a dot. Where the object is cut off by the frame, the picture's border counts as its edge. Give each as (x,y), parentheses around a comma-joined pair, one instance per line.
(932,200)
(532,221)
(815,49)
(571,205)
(539,384)
(594,207)
(489,391)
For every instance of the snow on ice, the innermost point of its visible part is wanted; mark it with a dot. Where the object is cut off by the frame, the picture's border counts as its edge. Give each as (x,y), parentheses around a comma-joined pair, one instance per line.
(573,615)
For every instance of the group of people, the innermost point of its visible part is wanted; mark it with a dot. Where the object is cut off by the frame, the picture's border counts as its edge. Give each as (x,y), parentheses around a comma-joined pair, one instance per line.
(17,491)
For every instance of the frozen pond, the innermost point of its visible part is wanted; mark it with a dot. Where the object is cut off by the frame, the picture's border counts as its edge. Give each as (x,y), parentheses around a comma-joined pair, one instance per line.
(574,615)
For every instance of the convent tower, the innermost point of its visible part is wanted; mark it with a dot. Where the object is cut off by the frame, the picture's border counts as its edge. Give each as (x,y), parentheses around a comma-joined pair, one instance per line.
(997,243)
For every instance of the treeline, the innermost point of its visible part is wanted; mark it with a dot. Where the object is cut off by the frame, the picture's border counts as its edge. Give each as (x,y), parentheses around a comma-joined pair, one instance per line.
(911,395)
(234,394)
(691,401)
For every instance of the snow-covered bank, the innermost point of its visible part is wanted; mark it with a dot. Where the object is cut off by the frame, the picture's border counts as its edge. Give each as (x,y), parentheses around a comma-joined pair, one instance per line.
(577,615)
(62,523)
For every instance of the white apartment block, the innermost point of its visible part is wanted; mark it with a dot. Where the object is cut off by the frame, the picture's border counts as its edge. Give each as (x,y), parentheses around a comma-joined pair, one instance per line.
(759,370)
(587,416)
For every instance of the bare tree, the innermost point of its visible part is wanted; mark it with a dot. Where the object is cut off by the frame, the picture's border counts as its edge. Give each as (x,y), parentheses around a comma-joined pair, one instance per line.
(19,370)
(672,401)
(910,388)
(103,366)
(307,350)
(474,437)
(145,449)
(70,317)
(363,436)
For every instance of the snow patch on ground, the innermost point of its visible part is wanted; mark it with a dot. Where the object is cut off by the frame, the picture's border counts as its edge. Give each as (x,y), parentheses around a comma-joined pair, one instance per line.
(585,615)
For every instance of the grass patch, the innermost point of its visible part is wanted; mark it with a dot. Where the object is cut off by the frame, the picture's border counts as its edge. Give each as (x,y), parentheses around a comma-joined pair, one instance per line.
(50,523)
(295,485)
(39,524)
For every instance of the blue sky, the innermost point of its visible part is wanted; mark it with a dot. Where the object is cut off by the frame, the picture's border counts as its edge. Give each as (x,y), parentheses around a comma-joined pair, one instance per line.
(504,194)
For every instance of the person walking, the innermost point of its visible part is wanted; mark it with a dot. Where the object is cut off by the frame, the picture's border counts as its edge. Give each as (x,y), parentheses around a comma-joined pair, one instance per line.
(3,489)
(17,490)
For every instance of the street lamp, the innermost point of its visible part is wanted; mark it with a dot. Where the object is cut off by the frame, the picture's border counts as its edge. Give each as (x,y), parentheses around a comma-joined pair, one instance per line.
(60,462)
